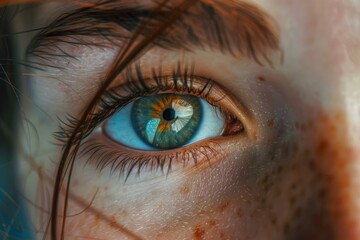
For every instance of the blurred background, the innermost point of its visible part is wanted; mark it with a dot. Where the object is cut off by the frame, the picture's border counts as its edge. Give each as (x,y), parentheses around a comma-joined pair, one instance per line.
(13,215)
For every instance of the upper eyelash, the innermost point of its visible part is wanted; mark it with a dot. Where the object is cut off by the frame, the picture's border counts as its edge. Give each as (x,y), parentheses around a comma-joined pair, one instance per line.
(181,80)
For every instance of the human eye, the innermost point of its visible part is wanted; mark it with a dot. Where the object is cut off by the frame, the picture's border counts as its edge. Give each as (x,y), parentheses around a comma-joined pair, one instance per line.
(160,122)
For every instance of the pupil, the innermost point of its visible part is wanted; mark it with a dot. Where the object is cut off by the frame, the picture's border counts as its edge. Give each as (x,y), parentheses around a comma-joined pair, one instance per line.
(169,114)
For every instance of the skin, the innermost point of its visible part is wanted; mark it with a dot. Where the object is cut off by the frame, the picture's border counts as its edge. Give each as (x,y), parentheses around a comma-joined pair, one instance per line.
(294,173)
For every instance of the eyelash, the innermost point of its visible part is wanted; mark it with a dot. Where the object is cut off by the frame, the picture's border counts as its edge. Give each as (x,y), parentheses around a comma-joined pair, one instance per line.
(181,80)
(134,87)
(123,163)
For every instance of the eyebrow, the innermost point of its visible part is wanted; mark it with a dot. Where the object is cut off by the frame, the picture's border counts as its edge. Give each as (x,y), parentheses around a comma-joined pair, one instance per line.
(231,27)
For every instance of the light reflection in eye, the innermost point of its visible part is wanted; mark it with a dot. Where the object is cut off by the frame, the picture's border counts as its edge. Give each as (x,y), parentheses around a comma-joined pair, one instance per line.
(165,121)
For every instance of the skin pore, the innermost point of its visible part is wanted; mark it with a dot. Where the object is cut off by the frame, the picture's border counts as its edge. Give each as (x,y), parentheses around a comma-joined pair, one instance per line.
(292,174)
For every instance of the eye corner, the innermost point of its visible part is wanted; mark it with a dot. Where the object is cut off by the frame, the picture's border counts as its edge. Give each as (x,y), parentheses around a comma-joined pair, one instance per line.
(233,126)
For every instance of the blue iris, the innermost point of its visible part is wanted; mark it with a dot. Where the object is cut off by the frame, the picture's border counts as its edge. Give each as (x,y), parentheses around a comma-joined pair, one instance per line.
(167,121)
(164,121)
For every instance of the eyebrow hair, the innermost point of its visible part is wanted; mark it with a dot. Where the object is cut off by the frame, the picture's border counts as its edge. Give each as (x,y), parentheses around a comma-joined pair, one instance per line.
(229,26)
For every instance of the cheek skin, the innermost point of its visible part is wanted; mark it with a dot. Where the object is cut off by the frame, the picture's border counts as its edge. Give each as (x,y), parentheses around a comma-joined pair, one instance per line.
(302,195)
(309,198)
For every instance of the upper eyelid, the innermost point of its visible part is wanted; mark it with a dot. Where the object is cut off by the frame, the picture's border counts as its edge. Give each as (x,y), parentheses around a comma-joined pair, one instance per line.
(248,29)
(134,81)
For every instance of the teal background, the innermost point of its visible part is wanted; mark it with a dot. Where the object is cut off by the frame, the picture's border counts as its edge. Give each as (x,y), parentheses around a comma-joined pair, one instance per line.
(14,224)
(13,217)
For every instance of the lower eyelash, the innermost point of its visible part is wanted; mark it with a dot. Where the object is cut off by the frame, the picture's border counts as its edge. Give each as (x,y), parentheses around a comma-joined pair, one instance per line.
(124,163)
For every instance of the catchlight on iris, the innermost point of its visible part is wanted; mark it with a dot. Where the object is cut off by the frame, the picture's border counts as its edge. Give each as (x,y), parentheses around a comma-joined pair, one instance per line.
(164,121)
(167,120)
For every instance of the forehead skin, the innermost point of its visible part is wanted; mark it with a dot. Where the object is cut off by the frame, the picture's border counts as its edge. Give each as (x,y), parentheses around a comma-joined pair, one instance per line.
(311,191)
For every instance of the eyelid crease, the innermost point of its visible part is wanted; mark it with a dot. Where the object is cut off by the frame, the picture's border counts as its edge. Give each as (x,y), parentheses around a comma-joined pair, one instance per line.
(230,27)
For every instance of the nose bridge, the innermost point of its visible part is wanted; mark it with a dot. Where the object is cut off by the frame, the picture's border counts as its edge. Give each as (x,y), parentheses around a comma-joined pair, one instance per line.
(336,157)
(338,152)
(340,156)
(333,152)
(351,156)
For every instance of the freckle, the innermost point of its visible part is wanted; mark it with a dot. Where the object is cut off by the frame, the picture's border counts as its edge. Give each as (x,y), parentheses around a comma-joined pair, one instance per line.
(212,223)
(324,118)
(97,220)
(113,221)
(311,165)
(286,228)
(303,127)
(267,187)
(261,78)
(273,220)
(297,212)
(239,213)
(265,179)
(310,124)
(184,190)
(199,233)
(331,128)
(270,123)
(224,206)
(285,151)
(202,213)
(279,169)
(339,117)
(292,200)
(322,146)
(293,186)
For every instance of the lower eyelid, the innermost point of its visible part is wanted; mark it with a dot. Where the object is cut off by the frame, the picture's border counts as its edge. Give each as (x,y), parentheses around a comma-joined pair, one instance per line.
(105,155)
